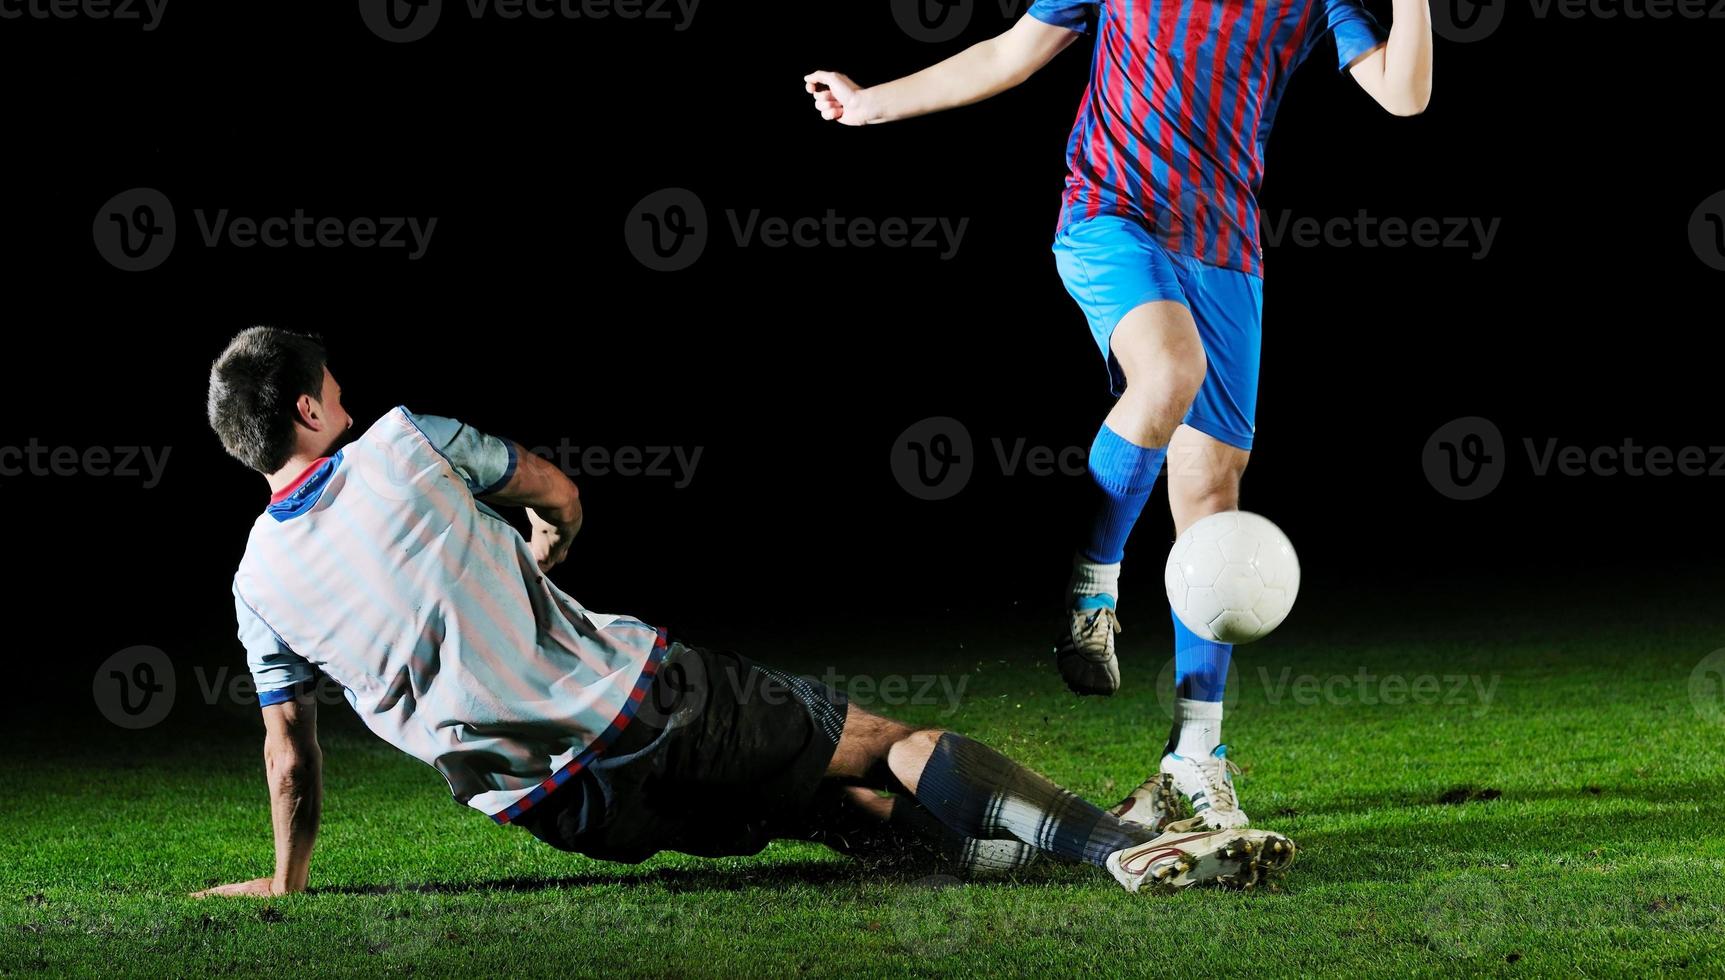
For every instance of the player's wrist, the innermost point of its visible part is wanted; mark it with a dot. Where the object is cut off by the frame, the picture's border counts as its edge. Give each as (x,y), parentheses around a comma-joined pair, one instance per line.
(865,105)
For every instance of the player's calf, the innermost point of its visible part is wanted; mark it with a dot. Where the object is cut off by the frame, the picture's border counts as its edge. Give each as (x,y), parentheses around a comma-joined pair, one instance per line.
(979,793)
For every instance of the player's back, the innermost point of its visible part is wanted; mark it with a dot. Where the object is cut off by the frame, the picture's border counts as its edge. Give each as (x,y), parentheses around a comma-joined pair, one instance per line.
(383,570)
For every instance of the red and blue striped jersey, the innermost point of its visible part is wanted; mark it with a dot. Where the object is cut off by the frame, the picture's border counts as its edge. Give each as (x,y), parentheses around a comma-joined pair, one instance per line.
(1182,93)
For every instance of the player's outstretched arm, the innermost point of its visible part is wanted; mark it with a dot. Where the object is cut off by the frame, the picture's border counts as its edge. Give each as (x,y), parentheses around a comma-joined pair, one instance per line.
(981,71)
(293,763)
(553,505)
(1398,75)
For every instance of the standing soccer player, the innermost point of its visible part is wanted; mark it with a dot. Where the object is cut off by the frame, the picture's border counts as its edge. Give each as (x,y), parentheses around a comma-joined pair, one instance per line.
(1157,241)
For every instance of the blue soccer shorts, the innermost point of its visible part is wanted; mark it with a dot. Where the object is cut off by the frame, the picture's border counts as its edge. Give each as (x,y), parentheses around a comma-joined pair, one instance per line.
(1111,264)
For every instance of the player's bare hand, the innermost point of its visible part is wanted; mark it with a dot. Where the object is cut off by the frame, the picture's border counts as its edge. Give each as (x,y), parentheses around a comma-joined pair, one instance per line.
(257,887)
(550,542)
(837,98)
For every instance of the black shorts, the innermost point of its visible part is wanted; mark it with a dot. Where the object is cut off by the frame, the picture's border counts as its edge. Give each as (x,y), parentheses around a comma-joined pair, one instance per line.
(723,756)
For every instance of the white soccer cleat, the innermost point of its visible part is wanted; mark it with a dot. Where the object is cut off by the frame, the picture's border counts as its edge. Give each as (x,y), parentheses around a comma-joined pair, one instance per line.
(1153,805)
(1189,854)
(1207,784)
(1085,655)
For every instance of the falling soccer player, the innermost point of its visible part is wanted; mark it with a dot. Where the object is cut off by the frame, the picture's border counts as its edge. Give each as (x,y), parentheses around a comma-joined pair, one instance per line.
(1157,241)
(381,563)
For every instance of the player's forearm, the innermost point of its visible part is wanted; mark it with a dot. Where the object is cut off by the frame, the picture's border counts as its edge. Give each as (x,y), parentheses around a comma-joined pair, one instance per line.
(295,774)
(1408,58)
(979,72)
(543,487)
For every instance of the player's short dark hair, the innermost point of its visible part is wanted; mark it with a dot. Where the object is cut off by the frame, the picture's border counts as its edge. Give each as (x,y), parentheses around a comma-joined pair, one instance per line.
(254,388)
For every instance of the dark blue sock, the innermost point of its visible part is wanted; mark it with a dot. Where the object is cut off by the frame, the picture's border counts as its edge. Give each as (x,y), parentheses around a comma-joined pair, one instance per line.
(1123,475)
(1200,665)
(979,793)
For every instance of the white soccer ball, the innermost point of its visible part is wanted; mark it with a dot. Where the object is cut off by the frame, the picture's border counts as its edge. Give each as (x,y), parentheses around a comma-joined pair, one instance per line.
(1232,577)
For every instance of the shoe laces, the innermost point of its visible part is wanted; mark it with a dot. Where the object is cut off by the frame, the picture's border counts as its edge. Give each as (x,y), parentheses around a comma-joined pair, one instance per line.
(1218,784)
(1103,613)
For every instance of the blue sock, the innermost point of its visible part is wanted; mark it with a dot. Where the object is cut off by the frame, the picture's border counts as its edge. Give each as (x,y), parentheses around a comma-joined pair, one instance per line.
(1123,475)
(1200,666)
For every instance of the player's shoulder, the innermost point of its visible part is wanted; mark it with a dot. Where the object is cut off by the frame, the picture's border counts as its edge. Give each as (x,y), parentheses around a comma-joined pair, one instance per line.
(400,422)
(395,417)
(444,433)
(437,429)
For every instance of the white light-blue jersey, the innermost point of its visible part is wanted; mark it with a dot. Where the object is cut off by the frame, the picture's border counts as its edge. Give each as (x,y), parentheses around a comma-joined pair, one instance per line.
(381,568)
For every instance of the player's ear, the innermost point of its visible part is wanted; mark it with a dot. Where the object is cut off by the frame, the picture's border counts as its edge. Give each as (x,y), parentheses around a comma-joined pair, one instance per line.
(306,411)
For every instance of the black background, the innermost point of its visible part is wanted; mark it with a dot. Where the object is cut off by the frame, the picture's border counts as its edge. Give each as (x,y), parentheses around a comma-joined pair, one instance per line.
(795,369)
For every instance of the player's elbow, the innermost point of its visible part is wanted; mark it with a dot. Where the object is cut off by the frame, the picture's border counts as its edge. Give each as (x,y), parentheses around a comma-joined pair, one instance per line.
(1409,98)
(1407,104)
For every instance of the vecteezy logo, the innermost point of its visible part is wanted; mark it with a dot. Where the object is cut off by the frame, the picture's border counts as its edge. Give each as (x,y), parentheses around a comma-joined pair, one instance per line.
(1707,231)
(1707,688)
(668,230)
(1464,459)
(394,475)
(400,21)
(134,231)
(1464,916)
(932,21)
(1167,690)
(676,695)
(135,687)
(933,459)
(1463,21)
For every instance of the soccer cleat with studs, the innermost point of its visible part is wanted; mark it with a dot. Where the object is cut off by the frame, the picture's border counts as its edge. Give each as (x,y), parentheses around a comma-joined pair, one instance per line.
(1189,854)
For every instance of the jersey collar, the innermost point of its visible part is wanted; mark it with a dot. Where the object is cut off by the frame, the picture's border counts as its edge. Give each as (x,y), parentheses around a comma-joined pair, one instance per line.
(299,496)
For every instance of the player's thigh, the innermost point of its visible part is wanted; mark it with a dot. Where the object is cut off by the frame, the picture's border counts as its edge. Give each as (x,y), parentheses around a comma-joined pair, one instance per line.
(1128,288)
(753,723)
(1157,343)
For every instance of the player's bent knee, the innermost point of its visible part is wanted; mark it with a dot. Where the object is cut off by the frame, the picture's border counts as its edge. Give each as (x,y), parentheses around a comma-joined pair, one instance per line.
(1168,372)
(908,755)
(1171,384)
(1184,374)
(863,746)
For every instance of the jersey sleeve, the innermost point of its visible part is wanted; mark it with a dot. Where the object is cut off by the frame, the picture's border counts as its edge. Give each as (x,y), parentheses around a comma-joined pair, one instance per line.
(1074,15)
(275,668)
(1356,31)
(485,462)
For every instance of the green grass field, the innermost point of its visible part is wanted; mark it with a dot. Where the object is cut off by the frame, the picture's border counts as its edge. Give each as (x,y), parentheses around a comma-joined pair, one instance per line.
(1557,810)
